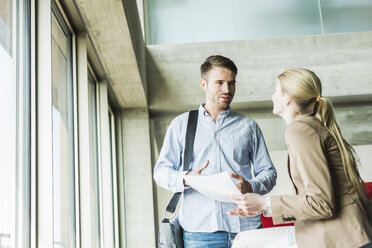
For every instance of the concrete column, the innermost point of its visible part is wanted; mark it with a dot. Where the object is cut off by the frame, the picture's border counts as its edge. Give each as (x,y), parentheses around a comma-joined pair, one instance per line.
(137,177)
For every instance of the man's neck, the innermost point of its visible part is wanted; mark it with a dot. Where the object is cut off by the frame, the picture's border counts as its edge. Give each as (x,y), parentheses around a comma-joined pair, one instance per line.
(213,111)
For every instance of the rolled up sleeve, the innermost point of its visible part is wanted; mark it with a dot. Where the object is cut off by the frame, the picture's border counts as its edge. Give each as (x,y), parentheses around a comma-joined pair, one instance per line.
(168,171)
(264,171)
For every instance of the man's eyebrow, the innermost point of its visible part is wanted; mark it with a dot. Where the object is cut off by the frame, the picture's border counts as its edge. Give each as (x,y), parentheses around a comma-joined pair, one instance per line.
(220,80)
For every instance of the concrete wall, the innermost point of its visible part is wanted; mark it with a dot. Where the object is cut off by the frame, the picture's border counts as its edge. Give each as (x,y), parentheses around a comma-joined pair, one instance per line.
(355,123)
(342,61)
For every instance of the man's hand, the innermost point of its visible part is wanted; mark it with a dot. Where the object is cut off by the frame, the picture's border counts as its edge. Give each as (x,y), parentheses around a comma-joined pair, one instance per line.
(243,186)
(249,204)
(196,172)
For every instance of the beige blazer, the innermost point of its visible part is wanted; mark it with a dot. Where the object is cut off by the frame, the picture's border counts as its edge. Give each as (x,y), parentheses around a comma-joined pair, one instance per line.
(325,208)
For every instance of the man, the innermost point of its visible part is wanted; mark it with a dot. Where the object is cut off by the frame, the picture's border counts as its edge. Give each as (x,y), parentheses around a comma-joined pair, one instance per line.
(224,141)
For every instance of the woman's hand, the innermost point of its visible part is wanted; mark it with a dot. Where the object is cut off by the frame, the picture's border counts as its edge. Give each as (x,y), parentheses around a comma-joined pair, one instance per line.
(249,204)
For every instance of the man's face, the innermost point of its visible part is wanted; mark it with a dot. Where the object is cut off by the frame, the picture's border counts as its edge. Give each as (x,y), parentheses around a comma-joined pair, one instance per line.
(219,87)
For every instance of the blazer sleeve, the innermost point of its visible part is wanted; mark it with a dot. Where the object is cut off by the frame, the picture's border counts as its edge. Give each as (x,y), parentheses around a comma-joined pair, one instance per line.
(316,199)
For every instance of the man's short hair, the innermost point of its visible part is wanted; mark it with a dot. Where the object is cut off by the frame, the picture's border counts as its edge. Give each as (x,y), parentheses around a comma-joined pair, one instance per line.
(217,61)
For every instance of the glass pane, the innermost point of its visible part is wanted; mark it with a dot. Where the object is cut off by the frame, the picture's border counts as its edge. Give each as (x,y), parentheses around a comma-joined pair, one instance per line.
(272,18)
(94,191)
(7,126)
(172,21)
(6,25)
(112,176)
(63,158)
(346,16)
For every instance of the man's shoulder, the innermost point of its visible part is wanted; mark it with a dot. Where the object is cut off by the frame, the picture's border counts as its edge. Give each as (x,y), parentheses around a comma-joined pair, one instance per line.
(182,116)
(180,120)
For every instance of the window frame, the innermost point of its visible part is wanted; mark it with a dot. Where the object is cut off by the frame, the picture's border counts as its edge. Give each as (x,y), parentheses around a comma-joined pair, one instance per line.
(63,22)
(22,34)
(42,218)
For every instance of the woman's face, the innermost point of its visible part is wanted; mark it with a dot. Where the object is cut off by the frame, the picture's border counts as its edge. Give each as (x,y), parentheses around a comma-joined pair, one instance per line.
(278,100)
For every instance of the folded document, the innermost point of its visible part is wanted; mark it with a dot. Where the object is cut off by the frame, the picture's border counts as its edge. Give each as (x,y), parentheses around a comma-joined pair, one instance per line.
(217,187)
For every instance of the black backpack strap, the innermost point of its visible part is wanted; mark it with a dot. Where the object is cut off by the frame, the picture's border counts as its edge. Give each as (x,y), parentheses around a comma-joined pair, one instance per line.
(190,137)
(189,145)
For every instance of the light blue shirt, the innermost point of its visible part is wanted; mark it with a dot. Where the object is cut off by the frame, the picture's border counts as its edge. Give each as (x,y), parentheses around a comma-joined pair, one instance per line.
(231,144)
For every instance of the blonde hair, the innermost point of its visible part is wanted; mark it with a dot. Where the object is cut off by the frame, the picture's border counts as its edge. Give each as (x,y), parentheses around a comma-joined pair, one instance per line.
(305,88)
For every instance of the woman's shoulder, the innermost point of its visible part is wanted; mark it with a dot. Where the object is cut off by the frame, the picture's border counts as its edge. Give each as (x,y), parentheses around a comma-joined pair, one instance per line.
(301,123)
(306,121)
(305,127)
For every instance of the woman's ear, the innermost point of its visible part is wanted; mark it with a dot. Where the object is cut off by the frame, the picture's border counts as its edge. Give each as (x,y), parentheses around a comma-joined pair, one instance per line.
(287,99)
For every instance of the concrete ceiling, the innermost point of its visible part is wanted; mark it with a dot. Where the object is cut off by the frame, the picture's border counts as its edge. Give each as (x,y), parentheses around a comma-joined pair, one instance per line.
(111,37)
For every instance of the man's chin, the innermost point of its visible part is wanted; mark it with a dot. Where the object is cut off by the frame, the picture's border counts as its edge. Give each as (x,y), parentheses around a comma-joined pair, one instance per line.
(225,105)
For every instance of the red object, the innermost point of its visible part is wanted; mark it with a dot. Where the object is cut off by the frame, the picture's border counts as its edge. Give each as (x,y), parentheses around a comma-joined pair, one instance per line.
(267,222)
(369,186)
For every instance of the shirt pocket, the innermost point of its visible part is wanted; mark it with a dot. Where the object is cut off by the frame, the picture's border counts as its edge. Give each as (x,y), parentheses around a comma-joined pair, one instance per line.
(240,150)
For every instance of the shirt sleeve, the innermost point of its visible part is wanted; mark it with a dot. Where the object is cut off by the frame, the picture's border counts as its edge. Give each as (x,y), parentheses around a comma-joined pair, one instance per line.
(316,199)
(264,171)
(168,170)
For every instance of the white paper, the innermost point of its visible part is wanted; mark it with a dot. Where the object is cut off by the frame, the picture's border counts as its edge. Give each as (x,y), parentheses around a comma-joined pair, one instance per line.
(217,187)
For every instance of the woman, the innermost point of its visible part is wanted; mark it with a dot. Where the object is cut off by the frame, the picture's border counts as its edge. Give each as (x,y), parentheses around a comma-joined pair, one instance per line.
(330,207)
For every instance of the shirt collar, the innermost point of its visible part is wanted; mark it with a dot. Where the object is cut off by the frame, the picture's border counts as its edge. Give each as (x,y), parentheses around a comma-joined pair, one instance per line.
(225,113)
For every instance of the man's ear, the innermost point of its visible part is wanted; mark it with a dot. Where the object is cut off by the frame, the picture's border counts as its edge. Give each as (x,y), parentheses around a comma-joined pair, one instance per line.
(203,83)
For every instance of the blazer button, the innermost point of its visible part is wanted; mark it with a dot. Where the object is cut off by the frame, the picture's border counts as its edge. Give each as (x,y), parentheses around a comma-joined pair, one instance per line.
(285,219)
(293,218)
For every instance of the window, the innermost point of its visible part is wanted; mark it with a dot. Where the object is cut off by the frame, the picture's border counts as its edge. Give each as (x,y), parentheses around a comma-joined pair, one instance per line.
(107,170)
(8,110)
(39,159)
(63,135)
(94,170)
(111,119)
(171,22)
(347,16)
